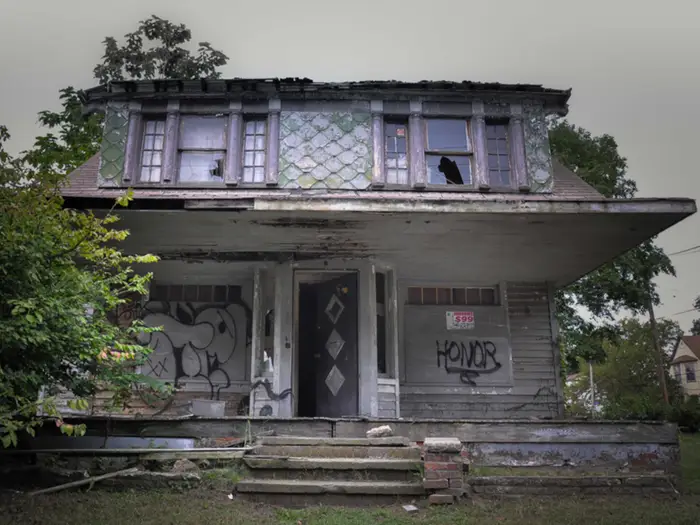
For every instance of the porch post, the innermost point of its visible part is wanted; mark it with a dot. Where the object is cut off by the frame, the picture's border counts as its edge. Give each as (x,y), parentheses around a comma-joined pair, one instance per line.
(284,340)
(367,351)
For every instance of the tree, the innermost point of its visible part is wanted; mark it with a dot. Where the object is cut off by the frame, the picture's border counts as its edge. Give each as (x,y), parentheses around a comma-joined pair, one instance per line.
(626,383)
(63,280)
(625,283)
(695,329)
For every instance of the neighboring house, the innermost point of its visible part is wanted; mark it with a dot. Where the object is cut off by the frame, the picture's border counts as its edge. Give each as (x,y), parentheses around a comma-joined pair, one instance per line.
(381,249)
(684,364)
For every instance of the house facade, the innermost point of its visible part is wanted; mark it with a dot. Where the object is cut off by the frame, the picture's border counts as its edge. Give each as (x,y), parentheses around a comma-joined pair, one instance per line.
(684,364)
(378,249)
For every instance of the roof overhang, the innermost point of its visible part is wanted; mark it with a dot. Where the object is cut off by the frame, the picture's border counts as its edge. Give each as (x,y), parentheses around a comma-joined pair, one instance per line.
(492,238)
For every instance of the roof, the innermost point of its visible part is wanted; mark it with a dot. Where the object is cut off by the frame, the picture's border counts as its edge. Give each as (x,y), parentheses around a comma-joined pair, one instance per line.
(684,359)
(693,343)
(83,183)
(305,88)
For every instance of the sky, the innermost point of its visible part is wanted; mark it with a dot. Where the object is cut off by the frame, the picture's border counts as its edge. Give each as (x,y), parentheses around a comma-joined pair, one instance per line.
(633,66)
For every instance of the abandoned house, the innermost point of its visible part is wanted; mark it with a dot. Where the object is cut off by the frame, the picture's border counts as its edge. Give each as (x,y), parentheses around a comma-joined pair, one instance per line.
(379,249)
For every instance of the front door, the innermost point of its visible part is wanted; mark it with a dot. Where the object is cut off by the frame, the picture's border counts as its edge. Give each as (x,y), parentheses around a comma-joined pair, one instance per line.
(336,347)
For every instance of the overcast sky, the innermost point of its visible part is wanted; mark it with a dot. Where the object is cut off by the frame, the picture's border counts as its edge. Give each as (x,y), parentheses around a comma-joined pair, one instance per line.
(634,67)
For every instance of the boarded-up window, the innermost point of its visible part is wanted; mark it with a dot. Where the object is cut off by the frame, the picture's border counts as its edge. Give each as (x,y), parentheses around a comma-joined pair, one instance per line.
(472,296)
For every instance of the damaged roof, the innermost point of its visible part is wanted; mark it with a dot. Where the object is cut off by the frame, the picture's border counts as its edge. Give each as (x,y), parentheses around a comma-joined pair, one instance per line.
(305,88)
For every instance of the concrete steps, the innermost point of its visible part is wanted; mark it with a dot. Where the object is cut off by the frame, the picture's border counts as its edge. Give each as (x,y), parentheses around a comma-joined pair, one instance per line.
(297,471)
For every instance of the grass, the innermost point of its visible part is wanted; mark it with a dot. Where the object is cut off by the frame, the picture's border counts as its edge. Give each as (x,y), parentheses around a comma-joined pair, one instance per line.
(212,507)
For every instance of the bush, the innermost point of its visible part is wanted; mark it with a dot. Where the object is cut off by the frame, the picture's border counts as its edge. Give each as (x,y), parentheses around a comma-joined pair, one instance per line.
(686,414)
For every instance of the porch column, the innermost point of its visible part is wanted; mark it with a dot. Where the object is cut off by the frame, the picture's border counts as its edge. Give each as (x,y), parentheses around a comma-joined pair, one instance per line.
(368,403)
(284,340)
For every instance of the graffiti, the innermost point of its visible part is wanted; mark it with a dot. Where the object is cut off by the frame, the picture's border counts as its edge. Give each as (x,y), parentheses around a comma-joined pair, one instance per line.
(265,383)
(266,411)
(470,360)
(198,341)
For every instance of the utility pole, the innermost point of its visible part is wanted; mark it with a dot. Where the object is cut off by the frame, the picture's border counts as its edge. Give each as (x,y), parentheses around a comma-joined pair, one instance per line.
(592,386)
(657,346)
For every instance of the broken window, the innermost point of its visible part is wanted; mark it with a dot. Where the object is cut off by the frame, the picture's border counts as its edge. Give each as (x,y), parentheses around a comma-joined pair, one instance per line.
(202,149)
(497,148)
(448,152)
(254,151)
(396,157)
(152,150)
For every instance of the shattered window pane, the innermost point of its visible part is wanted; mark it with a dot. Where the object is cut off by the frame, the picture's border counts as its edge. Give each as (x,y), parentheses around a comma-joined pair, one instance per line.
(448,152)
(202,149)
(201,167)
(444,169)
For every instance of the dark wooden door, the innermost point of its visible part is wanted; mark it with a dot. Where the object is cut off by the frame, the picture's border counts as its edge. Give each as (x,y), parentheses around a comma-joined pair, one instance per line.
(336,346)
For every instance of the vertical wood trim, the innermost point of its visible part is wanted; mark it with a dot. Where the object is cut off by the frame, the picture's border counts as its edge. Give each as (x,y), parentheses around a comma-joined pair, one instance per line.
(394,318)
(481,170)
(172,128)
(367,342)
(556,348)
(134,139)
(232,165)
(257,335)
(272,158)
(416,135)
(378,169)
(284,339)
(517,149)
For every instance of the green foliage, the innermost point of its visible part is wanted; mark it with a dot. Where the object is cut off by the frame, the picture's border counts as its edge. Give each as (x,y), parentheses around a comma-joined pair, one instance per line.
(686,413)
(166,59)
(695,329)
(625,283)
(62,277)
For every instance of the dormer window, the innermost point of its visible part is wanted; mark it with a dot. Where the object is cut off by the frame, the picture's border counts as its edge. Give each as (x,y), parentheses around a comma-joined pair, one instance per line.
(498,151)
(254,150)
(448,152)
(152,150)
(201,149)
(396,151)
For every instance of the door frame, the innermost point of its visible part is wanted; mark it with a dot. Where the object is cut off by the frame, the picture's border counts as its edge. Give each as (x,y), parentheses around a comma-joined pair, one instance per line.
(368,403)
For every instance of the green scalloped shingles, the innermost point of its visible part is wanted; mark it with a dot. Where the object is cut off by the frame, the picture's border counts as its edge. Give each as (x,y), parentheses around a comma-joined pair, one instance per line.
(113,148)
(325,150)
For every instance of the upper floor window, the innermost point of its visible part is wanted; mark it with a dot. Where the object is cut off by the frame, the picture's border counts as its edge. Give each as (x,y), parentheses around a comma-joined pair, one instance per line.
(497,149)
(677,373)
(690,373)
(448,152)
(202,148)
(396,156)
(254,150)
(152,150)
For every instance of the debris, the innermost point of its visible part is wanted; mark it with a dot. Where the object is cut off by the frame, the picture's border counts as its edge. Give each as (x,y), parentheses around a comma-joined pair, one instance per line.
(383,431)
(410,508)
(86,481)
(184,465)
(230,496)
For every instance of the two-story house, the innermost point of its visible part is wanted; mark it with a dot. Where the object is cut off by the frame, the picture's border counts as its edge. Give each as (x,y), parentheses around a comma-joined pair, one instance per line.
(384,249)
(684,364)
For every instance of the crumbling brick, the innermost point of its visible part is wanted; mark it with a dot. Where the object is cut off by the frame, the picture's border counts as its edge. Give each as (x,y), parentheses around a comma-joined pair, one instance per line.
(441,499)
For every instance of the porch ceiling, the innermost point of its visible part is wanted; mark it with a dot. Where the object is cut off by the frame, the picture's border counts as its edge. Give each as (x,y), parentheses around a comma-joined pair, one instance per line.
(546,243)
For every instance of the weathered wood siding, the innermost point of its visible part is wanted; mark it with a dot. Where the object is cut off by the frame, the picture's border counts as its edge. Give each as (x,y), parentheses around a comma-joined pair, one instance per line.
(525,385)
(386,391)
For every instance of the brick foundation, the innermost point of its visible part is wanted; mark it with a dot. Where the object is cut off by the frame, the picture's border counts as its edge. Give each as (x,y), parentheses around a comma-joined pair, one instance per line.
(444,462)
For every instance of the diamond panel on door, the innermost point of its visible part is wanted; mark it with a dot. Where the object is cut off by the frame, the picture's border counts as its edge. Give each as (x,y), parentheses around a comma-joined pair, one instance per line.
(334,344)
(334,309)
(335,380)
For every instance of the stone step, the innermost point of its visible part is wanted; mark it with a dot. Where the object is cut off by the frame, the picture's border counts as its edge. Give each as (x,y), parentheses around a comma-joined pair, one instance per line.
(340,451)
(396,441)
(335,469)
(355,488)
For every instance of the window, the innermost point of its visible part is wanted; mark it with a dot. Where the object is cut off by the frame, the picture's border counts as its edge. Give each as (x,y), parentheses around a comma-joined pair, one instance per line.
(498,153)
(690,373)
(202,149)
(453,296)
(254,151)
(152,150)
(396,158)
(448,152)
(677,373)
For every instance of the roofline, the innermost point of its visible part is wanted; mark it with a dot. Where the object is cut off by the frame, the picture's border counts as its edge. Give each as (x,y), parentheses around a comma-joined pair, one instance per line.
(304,88)
(257,201)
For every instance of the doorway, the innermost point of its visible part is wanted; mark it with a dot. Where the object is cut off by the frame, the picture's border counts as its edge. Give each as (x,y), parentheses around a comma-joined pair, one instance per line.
(327,342)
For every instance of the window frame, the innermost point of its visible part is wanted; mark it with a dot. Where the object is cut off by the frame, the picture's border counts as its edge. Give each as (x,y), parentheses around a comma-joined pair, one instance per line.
(141,148)
(690,373)
(253,117)
(179,150)
(506,123)
(470,153)
(396,120)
